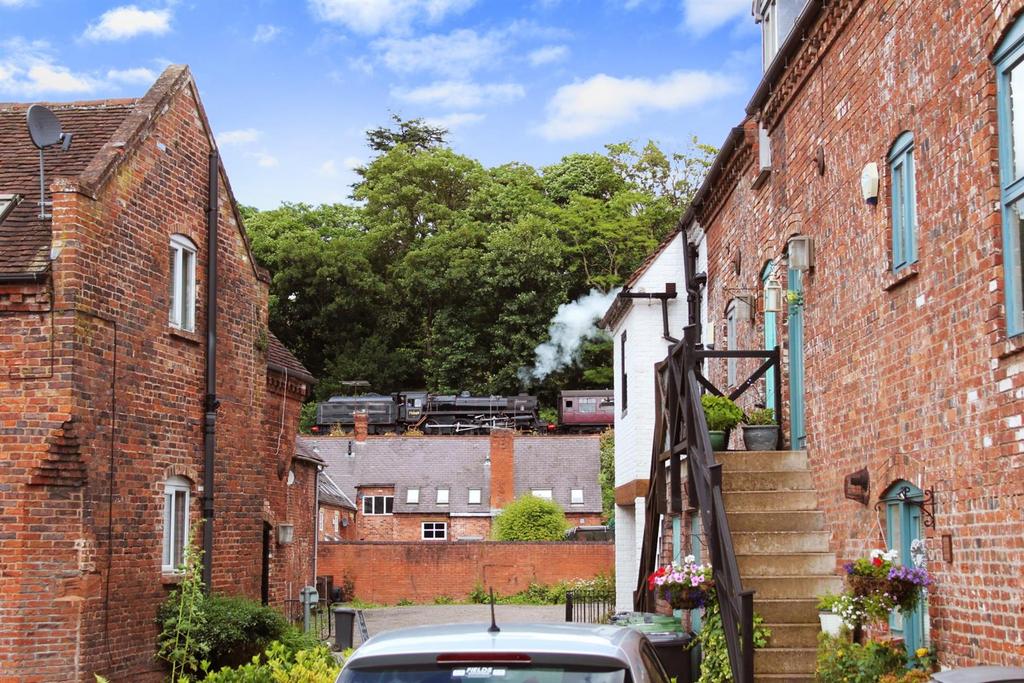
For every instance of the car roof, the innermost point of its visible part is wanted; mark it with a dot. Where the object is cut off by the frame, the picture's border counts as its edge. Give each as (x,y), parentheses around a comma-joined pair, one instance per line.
(980,674)
(573,644)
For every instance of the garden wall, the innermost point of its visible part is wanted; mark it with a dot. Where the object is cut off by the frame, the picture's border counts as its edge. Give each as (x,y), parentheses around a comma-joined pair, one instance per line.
(386,572)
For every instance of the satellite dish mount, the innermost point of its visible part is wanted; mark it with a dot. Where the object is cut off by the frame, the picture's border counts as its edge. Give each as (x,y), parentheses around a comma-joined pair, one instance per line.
(45,131)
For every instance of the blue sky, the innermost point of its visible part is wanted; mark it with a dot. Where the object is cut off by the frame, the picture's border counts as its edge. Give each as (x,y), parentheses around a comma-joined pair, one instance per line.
(291,85)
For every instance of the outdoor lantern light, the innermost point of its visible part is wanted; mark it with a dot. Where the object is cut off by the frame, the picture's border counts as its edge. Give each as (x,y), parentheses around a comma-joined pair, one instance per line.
(285,533)
(800,252)
(773,295)
(869,183)
(743,305)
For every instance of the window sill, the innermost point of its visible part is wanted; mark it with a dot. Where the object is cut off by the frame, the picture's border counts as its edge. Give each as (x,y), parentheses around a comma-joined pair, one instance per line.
(1011,346)
(168,578)
(761,178)
(891,280)
(192,337)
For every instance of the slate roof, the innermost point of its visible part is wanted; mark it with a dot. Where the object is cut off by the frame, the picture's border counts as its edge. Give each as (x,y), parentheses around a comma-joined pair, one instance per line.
(458,463)
(280,359)
(332,495)
(24,237)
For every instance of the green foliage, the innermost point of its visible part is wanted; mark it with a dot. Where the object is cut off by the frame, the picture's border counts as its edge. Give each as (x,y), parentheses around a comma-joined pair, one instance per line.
(759,416)
(446,274)
(721,413)
(549,415)
(912,676)
(826,602)
(182,617)
(404,602)
(606,476)
(444,600)
(842,661)
(307,417)
(347,587)
(714,667)
(539,594)
(278,664)
(531,519)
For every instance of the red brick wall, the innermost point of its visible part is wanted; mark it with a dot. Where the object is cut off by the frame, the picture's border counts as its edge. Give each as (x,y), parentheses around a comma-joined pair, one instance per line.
(344,532)
(374,527)
(913,378)
(388,572)
(503,481)
(89,439)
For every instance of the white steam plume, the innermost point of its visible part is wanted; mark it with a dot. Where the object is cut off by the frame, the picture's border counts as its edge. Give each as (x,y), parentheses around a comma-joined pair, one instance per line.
(573,324)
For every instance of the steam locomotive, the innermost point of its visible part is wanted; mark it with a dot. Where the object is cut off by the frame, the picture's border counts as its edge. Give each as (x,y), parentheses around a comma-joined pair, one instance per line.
(578,411)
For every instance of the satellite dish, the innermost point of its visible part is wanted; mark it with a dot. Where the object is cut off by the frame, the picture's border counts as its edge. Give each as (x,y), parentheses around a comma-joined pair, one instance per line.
(43,127)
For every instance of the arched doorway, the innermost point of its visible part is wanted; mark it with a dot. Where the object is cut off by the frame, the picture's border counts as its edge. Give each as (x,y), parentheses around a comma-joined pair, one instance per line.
(902,502)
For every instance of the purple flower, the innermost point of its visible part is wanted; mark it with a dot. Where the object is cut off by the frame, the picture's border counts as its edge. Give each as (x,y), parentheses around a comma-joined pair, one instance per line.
(848,567)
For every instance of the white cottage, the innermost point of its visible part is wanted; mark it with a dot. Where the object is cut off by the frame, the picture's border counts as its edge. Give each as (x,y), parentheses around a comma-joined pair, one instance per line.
(641,320)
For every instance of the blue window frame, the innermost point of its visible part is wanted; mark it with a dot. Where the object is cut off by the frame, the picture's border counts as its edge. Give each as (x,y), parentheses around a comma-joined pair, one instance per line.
(1009,64)
(904,202)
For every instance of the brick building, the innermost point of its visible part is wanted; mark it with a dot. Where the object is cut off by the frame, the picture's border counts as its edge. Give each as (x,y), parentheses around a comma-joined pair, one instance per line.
(885,133)
(450,488)
(103,390)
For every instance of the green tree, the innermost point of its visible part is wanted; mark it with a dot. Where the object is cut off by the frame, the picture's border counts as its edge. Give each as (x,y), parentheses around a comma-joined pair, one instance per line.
(606,476)
(531,519)
(413,133)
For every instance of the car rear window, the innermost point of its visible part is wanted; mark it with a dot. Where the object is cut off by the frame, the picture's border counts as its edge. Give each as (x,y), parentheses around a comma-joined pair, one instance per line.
(484,674)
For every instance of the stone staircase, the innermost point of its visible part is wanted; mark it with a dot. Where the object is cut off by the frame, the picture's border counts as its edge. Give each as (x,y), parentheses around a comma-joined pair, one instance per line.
(782,547)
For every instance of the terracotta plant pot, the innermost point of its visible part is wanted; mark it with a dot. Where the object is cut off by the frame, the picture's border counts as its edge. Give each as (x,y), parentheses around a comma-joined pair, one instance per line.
(760,437)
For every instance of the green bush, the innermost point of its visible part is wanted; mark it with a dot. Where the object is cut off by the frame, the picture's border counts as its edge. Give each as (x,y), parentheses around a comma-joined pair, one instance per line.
(842,661)
(721,413)
(714,667)
(444,600)
(759,417)
(531,519)
(279,665)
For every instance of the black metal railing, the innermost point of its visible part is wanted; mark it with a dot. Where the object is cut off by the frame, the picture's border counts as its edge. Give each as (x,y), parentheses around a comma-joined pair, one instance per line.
(321,624)
(589,606)
(681,428)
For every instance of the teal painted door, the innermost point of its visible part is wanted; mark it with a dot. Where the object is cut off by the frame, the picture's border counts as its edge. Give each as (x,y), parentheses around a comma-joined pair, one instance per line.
(771,340)
(798,434)
(903,527)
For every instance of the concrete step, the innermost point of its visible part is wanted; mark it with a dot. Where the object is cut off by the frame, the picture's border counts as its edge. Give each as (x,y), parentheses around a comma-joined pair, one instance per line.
(807,586)
(786,564)
(788,520)
(770,501)
(767,480)
(771,542)
(794,635)
(790,611)
(759,461)
(785,660)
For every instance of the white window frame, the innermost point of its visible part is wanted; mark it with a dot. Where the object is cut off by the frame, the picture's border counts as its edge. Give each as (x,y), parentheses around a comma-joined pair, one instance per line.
(475,496)
(171,540)
(321,527)
(182,313)
(371,499)
(435,527)
(442,496)
(412,496)
(543,494)
(335,521)
(772,38)
(576,496)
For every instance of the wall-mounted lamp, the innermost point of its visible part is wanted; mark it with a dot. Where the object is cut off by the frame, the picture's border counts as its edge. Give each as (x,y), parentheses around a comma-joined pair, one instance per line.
(857,486)
(285,533)
(743,303)
(773,295)
(869,183)
(800,253)
(926,502)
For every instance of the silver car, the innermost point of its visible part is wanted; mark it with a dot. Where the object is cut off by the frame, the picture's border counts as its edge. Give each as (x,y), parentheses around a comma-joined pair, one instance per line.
(518,653)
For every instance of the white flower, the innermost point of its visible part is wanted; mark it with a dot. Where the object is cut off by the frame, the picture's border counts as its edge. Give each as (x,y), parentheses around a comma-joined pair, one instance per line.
(689,559)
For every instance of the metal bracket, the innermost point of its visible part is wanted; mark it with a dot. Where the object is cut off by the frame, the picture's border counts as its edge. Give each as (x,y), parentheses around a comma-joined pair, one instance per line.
(926,502)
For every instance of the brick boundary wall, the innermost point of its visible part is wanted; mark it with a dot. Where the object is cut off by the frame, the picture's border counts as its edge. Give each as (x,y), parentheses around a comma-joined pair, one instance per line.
(386,572)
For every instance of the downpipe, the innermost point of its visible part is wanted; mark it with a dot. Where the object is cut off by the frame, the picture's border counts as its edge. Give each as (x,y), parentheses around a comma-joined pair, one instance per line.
(211,401)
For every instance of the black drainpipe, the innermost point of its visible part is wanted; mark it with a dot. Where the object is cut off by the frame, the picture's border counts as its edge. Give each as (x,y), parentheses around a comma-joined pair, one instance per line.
(210,421)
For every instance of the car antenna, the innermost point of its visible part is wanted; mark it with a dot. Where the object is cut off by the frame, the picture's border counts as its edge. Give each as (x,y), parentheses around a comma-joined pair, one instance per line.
(494,624)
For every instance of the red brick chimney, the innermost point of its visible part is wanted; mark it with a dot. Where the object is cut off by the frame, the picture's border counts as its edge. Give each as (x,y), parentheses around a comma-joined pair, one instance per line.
(362,421)
(503,471)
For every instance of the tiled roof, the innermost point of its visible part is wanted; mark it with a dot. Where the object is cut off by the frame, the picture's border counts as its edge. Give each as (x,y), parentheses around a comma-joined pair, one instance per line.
(458,463)
(279,358)
(332,495)
(24,237)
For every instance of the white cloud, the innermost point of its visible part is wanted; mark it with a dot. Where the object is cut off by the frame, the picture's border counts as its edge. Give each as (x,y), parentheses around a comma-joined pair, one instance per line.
(460,94)
(241,136)
(329,168)
(352,163)
(29,69)
(128,21)
(137,76)
(458,53)
(548,54)
(266,33)
(704,16)
(361,65)
(602,102)
(377,16)
(455,120)
(264,160)
(15,3)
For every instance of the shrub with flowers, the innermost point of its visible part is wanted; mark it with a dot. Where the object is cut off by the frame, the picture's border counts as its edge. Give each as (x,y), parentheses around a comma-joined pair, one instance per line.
(684,586)
(884,585)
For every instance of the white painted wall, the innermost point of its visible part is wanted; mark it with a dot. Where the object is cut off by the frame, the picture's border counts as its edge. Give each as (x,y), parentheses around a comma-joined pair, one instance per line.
(634,429)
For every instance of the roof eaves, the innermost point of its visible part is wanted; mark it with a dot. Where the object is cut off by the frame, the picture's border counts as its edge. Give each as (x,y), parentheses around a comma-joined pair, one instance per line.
(782,58)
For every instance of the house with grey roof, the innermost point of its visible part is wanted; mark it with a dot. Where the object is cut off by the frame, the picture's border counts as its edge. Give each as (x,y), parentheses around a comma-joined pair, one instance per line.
(442,488)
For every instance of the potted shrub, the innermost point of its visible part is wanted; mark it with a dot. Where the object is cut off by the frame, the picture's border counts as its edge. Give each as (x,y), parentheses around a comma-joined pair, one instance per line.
(831,621)
(760,433)
(722,416)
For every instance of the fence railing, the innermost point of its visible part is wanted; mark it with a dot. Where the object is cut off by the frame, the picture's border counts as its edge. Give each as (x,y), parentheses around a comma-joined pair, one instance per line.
(589,606)
(321,624)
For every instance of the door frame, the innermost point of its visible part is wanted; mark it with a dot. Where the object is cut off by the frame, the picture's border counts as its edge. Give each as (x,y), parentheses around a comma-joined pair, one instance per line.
(795,326)
(903,522)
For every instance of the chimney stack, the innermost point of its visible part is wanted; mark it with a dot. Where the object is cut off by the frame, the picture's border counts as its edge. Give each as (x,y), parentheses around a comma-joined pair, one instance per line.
(503,479)
(362,422)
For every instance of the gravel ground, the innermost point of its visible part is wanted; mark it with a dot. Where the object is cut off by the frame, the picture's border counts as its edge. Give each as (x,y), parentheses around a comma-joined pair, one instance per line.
(389,618)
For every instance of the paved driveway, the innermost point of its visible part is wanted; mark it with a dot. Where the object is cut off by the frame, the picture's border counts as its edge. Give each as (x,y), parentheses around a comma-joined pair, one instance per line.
(388,618)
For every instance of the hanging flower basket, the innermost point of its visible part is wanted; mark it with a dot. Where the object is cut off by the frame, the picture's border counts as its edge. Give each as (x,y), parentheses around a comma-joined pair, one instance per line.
(864,586)
(687,598)
(683,586)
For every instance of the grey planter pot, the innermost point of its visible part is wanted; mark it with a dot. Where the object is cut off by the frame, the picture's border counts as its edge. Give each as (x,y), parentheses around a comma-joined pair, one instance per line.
(760,437)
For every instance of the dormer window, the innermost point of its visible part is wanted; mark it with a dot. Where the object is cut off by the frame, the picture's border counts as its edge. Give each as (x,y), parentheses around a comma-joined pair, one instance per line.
(7,204)
(777,18)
